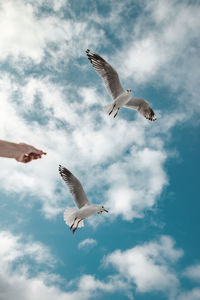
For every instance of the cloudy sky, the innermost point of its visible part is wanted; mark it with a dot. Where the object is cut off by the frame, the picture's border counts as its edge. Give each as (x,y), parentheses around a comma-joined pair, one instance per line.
(145,173)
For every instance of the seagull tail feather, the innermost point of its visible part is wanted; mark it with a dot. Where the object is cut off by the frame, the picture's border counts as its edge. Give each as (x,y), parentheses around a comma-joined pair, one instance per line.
(109,109)
(69,216)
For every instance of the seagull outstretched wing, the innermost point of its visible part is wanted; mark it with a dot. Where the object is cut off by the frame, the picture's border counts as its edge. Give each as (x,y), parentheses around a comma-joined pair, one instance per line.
(75,187)
(107,72)
(142,106)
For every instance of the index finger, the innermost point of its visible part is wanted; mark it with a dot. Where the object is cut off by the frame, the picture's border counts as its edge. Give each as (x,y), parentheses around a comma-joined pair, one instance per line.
(34,150)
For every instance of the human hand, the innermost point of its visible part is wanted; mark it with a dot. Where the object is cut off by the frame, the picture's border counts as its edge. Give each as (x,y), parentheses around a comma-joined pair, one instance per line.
(26,153)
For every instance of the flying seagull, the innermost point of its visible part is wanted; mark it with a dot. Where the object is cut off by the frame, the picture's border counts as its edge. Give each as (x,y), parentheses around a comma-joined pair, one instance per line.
(115,89)
(74,217)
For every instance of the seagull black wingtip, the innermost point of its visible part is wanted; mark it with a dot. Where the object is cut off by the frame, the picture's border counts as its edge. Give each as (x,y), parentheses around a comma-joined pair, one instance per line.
(60,169)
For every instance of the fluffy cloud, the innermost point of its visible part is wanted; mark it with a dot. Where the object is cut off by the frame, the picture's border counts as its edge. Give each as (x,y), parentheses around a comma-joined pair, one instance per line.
(128,176)
(193,272)
(163,50)
(175,26)
(19,285)
(149,266)
(17,279)
(89,285)
(29,34)
(14,248)
(121,163)
(27,272)
(56,128)
(133,191)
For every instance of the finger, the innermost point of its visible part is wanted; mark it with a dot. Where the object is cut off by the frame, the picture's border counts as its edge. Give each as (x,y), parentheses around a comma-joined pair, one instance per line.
(27,159)
(28,149)
(32,149)
(37,151)
(35,156)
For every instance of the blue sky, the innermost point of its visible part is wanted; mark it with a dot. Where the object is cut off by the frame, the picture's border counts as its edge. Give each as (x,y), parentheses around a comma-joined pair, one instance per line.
(145,174)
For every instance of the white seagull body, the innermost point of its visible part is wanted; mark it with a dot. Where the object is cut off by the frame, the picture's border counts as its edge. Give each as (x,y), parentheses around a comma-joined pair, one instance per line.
(74,217)
(121,98)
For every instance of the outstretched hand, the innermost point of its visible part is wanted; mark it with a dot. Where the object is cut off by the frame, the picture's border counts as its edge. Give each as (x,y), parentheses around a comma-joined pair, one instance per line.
(27,153)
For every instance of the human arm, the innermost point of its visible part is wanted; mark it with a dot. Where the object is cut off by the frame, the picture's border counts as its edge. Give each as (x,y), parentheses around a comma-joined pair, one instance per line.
(21,152)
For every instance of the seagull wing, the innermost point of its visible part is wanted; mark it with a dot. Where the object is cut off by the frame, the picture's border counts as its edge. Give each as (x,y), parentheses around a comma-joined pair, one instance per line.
(106,71)
(75,187)
(143,107)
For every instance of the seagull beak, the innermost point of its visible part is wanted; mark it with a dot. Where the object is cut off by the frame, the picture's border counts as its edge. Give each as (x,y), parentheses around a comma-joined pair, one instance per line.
(105,210)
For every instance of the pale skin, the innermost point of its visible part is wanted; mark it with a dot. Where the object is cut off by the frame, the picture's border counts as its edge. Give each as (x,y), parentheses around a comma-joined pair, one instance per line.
(21,152)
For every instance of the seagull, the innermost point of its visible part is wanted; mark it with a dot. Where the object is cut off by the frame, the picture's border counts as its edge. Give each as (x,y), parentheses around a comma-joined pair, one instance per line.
(74,217)
(121,97)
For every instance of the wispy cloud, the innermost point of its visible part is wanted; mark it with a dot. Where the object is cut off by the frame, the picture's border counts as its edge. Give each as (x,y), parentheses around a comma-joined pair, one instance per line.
(96,144)
(15,247)
(194,294)
(27,34)
(121,162)
(162,50)
(68,121)
(87,243)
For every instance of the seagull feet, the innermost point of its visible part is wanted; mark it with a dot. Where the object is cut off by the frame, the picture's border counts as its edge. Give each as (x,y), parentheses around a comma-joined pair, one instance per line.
(116,113)
(73,224)
(76,226)
(74,230)
(112,109)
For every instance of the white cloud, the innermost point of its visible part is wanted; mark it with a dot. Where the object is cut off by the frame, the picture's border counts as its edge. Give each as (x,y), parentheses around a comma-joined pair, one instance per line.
(13,248)
(149,266)
(194,294)
(86,243)
(111,19)
(175,26)
(54,4)
(17,279)
(88,284)
(136,185)
(129,176)
(120,162)
(28,34)
(25,272)
(193,272)
(24,288)
(162,50)
(96,143)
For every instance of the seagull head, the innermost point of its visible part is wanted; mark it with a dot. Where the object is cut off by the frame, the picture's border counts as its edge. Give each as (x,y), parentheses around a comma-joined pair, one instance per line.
(101,209)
